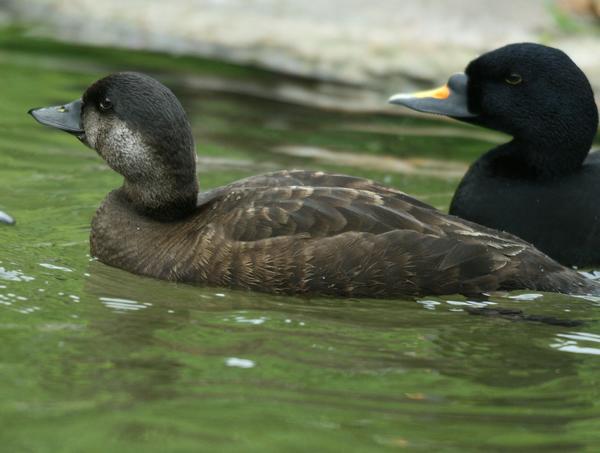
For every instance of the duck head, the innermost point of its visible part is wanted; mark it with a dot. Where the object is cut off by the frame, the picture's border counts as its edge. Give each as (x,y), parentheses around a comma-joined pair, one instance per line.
(533,92)
(140,129)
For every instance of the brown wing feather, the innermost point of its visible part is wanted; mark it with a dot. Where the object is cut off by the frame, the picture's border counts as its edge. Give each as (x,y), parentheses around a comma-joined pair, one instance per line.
(361,242)
(249,214)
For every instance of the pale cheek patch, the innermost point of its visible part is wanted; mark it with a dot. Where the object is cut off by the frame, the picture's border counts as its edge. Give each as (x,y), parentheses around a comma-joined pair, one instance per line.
(126,152)
(122,148)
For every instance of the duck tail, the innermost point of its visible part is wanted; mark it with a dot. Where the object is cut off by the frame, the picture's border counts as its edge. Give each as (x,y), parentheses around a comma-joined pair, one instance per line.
(571,282)
(589,286)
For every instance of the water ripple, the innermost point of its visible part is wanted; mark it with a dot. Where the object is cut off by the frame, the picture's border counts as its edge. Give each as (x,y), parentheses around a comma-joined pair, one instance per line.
(121,304)
(54,267)
(14,276)
(570,342)
(239,363)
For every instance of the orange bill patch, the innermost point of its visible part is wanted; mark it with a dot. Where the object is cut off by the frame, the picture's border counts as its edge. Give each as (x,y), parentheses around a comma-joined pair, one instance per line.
(442,92)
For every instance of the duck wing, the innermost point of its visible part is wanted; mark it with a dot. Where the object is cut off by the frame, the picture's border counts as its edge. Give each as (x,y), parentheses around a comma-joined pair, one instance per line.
(357,242)
(250,214)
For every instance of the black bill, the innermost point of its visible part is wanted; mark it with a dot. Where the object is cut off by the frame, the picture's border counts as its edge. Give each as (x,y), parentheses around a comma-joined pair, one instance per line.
(449,100)
(5,218)
(65,117)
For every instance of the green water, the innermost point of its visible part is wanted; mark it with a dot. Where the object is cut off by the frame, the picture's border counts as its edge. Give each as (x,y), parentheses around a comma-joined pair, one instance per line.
(95,359)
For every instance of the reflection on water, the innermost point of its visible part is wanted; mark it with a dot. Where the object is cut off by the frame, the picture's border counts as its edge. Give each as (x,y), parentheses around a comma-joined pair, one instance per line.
(240,363)
(91,356)
(578,342)
(14,275)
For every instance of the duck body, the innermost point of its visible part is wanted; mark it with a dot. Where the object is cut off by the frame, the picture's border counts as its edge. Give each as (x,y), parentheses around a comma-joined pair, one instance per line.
(300,232)
(561,215)
(543,185)
(288,232)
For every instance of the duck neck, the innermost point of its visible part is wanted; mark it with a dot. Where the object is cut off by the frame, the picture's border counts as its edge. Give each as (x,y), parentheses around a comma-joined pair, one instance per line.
(160,202)
(165,193)
(542,159)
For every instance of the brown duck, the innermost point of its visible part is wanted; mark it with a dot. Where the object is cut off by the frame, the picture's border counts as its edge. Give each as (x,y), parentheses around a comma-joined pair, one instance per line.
(292,232)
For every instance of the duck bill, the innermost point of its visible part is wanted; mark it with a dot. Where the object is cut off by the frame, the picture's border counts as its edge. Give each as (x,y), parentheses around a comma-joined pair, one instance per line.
(449,100)
(5,218)
(65,117)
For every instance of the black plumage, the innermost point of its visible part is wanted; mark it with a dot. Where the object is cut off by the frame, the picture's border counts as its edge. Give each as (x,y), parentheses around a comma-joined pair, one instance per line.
(542,185)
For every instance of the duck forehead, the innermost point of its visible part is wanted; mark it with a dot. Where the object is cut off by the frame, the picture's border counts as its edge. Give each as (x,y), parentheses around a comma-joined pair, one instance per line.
(524,58)
(138,104)
(96,90)
(125,86)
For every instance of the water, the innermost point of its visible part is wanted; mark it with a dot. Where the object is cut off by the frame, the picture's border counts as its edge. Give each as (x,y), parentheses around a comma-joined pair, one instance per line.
(93,358)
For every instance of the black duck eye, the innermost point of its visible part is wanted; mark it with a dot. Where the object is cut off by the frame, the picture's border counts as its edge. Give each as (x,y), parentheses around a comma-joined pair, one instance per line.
(105,104)
(513,79)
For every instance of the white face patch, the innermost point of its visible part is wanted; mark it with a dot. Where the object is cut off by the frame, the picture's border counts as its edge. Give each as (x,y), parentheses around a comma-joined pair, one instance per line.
(123,148)
(126,152)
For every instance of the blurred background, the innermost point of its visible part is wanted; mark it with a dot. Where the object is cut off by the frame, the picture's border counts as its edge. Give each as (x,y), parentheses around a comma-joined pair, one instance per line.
(377,45)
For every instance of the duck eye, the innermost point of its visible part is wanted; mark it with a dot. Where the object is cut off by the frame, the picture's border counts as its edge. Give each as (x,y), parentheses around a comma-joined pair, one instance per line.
(105,104)
(514,79)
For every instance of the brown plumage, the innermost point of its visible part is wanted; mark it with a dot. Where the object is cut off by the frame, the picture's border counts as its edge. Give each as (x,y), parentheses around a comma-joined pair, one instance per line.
(302,232)
(290,232)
